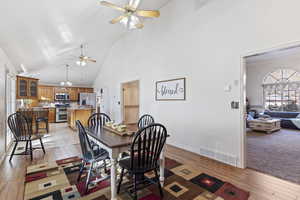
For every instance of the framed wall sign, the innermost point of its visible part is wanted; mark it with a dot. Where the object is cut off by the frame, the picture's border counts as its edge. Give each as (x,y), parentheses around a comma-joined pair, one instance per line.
(170,90)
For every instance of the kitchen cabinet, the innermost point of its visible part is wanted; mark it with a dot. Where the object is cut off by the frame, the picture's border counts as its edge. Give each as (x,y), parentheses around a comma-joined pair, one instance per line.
(73,92)
(46,93)
(60,90)
(33,88)
(51,115)
(89,90)
(81,90)
(81,114)
(27,88)
(86,90)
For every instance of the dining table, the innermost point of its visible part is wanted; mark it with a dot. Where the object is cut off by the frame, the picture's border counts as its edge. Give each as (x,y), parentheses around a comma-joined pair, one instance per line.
(116,144)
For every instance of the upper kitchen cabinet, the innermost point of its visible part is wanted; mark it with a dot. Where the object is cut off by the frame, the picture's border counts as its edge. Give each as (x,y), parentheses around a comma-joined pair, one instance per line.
(59,89)
(46,93)
(89,90)
(73,92)
(33,88)
(27,88)
(86,90)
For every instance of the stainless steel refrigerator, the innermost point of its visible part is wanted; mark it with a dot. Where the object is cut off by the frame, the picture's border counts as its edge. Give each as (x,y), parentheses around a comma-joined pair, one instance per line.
(87,99)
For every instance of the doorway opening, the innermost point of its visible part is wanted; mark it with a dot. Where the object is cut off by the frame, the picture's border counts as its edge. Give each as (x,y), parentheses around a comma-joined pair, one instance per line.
(271,112)
(130,102)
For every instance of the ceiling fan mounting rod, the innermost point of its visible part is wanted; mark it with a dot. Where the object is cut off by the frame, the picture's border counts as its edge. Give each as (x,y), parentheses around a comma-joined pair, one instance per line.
(81,49)
(67,73)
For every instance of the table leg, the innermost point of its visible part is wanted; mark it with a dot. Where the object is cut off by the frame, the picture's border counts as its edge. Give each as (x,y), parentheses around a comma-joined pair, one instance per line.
(113,178)
(162,167)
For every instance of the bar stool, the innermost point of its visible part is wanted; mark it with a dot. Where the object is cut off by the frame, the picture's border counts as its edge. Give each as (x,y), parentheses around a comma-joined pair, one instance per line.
(42,117)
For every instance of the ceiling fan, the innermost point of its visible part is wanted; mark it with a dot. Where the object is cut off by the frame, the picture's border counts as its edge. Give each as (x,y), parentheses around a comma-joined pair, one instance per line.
(131,15)
(83,59)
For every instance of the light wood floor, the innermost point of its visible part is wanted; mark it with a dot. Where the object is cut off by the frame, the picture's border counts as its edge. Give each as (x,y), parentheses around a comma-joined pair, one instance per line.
(63,144)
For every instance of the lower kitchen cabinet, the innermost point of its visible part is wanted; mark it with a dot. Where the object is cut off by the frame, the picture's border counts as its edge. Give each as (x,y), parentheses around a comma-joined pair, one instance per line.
(81,114)
(51,115)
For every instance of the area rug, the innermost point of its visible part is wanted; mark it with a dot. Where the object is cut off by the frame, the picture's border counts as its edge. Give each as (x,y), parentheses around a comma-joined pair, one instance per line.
(58,180)
(276,154)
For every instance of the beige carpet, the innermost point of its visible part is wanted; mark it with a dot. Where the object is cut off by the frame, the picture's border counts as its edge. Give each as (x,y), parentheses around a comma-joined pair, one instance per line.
(277,154)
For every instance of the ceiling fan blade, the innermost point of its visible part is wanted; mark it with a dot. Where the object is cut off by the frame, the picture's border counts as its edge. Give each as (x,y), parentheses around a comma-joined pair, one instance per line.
(134,3)
(111,5)
(148,13)
(139,26)
(91,60)
(118,19)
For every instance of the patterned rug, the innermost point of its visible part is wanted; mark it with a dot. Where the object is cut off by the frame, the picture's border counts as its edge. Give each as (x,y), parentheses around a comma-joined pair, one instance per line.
(58,181)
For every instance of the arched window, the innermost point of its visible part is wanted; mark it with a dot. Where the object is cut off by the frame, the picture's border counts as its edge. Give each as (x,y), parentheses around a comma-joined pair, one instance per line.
(282,90)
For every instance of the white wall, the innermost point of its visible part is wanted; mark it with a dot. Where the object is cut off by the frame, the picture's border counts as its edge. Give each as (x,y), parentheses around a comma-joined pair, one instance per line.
(256,71)
(5,62)
(204,43)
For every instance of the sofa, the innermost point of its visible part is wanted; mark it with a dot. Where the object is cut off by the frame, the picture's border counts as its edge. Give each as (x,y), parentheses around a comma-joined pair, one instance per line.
(289,120)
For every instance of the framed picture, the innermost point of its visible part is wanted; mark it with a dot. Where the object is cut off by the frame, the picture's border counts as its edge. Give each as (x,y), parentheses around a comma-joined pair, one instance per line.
(169,90)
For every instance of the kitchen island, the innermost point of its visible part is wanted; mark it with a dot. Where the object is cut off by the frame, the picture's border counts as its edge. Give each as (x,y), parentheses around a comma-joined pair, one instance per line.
(36,113)
(81,113)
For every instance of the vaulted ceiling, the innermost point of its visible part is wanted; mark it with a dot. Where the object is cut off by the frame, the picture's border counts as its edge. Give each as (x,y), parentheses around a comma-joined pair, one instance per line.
(284,53)
(44,35)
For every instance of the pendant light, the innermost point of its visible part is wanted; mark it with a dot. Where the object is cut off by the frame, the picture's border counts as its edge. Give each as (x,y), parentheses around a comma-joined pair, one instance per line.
(67,82)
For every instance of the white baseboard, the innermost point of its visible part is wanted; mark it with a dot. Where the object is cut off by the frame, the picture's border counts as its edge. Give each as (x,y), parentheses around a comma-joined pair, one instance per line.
(220,156)
(215,155)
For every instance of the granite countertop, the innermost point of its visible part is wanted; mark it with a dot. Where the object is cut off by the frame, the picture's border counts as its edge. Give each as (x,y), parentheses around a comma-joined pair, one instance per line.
(80,108)
(42,107)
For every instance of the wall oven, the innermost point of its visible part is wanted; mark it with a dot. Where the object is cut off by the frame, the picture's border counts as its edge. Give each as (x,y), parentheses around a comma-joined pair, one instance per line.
(61,114)
(62,97)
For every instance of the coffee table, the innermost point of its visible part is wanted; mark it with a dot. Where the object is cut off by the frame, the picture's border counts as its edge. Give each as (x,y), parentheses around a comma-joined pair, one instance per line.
(265,125)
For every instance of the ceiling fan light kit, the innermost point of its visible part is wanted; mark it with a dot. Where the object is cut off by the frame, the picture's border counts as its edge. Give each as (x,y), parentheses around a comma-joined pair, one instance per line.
(81,63)
(130,19)
(130,22)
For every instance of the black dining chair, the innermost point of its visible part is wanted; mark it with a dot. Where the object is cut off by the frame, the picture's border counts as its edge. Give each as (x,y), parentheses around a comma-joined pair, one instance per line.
(21,128)
(98,120)
(144,157)
(145,120)
(90,154)
(42,117)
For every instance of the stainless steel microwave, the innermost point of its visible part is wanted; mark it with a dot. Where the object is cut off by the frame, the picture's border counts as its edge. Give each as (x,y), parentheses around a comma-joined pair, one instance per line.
(62,96)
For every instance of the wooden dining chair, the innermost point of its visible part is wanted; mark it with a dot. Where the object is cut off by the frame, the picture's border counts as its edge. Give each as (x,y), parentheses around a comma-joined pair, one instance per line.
(144,157)
(98,120)
(145,120)
(90,154)
(21,128)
